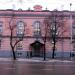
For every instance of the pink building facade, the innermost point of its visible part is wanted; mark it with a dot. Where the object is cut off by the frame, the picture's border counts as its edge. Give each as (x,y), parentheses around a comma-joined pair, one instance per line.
(33,22)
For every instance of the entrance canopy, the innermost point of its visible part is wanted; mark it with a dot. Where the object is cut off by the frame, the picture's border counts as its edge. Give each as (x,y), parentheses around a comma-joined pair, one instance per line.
(37,43)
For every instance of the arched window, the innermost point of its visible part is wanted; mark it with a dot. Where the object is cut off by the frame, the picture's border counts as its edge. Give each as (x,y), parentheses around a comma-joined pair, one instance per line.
(1,27)
(37,30)
(1,30)
(20,28)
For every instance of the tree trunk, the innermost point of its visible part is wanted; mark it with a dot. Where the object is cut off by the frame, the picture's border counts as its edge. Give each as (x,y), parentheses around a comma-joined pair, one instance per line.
(44,52)
(14,56)
(53,53)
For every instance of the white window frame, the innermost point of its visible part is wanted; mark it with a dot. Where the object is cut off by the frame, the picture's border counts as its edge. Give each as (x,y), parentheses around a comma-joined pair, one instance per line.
(37,30)
(1,27)
(20,28)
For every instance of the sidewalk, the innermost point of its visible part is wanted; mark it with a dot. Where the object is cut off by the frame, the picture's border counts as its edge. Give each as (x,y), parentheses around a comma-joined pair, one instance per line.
(34,60)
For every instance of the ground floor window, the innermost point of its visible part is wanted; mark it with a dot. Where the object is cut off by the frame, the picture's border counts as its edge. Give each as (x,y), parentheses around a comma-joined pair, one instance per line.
(19,46)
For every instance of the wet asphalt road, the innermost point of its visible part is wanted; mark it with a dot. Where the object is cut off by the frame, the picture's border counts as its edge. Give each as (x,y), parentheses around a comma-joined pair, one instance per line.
(38,68)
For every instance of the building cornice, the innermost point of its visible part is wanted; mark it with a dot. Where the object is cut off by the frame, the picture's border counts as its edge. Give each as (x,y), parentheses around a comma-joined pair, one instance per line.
(36,37)
(24,15)
(32,15)
(36,13)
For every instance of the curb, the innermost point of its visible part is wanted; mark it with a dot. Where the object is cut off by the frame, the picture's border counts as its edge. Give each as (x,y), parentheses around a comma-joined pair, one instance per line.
(35,60)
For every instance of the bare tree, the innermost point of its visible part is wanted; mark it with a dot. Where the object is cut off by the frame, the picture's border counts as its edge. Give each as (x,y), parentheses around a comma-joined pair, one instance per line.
(14,39)
(46,32)
(54,28)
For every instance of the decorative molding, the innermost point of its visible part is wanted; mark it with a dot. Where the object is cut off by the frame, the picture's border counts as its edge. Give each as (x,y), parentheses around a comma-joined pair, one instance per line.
(35,15)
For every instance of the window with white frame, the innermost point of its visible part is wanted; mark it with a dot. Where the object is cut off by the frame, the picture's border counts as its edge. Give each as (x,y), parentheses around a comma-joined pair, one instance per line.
(73,46)
(73,31)
(37,30)
(0,44)
(20,28)
(19,46)
(1,27)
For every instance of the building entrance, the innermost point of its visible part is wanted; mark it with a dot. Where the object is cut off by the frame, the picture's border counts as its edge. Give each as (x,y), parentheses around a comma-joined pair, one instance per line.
(37,49)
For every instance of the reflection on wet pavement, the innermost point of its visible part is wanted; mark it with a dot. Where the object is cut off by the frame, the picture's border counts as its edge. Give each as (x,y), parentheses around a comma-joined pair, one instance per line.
(15,68)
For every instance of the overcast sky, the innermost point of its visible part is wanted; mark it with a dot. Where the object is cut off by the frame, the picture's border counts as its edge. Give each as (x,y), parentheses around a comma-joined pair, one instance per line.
(25,4)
